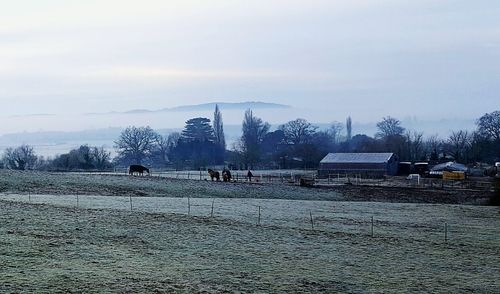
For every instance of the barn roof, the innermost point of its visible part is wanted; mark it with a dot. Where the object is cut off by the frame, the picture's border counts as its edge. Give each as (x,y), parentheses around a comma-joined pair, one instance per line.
(357,158)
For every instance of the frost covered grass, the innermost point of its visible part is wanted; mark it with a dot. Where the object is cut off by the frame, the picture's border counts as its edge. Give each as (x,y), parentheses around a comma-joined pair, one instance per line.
(102,246)
(121,185)
(48,248)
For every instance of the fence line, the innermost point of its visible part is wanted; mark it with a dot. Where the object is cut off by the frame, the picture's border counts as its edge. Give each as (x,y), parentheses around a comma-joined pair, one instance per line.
(287,214)
(293,177)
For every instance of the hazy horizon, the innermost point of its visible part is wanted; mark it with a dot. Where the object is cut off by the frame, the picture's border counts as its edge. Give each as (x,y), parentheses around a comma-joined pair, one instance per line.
(328,59)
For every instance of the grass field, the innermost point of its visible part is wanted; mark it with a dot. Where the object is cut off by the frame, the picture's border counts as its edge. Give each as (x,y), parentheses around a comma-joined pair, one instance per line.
(46,248)
(122,185)
(102,246)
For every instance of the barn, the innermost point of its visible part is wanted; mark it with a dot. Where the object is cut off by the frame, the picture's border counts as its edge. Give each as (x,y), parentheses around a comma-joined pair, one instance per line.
(372,164)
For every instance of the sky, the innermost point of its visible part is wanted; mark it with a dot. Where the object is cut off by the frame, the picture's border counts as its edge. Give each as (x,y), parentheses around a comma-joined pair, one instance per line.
(368,59)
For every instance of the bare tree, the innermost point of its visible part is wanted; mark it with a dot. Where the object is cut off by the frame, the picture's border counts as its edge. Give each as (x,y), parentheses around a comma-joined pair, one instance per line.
(100,157)
(459,142)
(20,158)
(136,144)
(254,130)
(298,131)
(162,150)
(489,125)
(415,143)
(173,140)
(335,131)
(389,127)
(432,146)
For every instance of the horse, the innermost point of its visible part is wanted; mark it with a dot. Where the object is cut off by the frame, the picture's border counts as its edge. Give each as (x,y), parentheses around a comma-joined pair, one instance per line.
(226,175)
(214,174)
(135,168)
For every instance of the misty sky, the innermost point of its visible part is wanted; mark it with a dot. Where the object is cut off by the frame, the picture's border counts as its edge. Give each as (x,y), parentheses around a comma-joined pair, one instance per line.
(364,58)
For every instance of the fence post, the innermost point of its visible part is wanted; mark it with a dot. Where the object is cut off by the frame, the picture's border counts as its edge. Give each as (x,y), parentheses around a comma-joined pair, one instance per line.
(312,220)
(258,220)
(77,200)
(372,227)
(212,211)
(189,206)
(445,232)
(29,196)
(130,197)
(200,174)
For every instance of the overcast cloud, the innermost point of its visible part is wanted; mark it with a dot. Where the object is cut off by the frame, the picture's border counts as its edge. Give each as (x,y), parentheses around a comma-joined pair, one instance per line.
(367,59)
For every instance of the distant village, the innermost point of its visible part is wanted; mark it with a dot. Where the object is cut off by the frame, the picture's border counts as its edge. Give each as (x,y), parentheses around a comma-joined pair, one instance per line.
(297,144)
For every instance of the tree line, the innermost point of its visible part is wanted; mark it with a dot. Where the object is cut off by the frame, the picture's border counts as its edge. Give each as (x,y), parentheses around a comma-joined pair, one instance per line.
(295,144)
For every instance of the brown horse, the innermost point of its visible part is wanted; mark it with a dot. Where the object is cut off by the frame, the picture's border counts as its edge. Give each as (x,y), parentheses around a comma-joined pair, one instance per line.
(135,168)
(226,175)
(214,174)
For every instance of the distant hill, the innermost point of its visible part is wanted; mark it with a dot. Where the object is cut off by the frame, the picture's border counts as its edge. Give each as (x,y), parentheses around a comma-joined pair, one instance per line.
(206,107)
(225,105)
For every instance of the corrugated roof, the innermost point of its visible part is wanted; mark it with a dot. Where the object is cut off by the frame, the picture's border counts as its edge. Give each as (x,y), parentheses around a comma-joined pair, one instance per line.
(357,158)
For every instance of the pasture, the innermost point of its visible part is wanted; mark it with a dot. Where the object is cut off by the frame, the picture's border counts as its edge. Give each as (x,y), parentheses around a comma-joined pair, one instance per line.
(72,232)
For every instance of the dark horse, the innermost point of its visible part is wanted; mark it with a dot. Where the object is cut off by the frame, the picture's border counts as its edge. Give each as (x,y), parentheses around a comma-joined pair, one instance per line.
(226,175)
(214,174)
(135,168)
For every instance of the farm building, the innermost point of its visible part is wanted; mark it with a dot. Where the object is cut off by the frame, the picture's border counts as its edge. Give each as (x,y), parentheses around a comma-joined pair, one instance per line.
(373,164)
(438,170)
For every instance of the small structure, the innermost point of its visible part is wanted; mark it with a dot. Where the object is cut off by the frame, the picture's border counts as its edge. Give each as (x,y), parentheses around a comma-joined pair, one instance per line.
(370,164)
(421,168)
(404,168)
(438,170)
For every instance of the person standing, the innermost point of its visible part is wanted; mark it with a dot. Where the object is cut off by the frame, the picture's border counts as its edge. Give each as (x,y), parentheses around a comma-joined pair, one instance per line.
(249,176)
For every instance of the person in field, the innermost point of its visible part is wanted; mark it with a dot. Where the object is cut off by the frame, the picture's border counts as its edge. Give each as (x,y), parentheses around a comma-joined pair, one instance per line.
(249,176)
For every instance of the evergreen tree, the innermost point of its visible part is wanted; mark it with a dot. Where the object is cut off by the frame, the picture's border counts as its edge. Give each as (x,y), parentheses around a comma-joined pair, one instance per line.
(348,126)
(219,129)
(198,129)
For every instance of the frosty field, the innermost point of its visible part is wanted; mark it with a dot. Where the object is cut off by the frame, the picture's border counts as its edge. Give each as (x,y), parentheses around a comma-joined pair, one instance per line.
(48,244)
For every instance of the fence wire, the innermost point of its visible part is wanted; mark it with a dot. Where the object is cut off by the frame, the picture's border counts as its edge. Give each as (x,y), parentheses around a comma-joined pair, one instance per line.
(426,222)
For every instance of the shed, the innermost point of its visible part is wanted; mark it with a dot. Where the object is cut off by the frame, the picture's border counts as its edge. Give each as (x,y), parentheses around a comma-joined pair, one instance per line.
(438,170)
(376,164)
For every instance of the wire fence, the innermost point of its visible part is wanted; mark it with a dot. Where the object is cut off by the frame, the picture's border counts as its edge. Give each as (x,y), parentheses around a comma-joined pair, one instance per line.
(262,176)
(481,184)
(294,177)
(405,221)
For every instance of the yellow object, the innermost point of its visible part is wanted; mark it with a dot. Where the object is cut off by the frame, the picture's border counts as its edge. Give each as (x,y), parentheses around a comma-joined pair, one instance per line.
(456,175)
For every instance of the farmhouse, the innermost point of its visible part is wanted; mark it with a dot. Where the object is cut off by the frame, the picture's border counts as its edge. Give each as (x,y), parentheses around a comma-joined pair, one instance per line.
(373,164)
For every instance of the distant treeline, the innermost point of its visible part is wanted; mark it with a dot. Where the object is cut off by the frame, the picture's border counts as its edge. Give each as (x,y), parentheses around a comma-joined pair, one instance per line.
(295,144)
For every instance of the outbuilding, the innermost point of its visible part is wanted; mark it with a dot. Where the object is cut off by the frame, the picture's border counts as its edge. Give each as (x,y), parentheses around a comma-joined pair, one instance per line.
(439,169)
(372,164)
